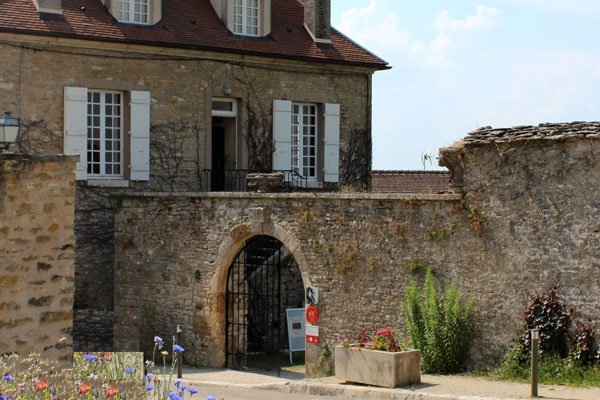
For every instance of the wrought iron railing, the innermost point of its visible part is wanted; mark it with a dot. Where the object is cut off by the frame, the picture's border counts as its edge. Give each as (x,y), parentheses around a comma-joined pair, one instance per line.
(228,180)
(236,180)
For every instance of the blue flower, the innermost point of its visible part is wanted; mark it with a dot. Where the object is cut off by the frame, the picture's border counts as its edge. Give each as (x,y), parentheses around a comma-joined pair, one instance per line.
(177,383)
(149,388)
(192,391)
(130,370)
(178,349)
(211,398)
(158,342)
(8,378)
(90,357)
(175,396)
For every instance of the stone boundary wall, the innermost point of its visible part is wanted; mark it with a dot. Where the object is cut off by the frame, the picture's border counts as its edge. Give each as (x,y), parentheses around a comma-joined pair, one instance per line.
(37,254)
(528,216)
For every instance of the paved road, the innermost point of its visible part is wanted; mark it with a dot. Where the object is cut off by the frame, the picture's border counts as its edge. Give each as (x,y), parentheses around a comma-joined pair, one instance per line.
(240,393)
(234,385)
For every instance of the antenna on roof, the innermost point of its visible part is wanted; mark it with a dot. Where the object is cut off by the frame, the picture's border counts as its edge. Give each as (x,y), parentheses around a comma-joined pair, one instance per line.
(426,156)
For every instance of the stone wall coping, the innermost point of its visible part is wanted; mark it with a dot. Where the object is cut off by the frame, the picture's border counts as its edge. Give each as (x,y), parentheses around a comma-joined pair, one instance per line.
(519,134)
(299,196)
(38,157)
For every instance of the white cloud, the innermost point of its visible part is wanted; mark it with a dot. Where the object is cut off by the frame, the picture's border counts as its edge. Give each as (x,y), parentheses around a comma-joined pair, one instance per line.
(556,87)
(379,29)
(438,55)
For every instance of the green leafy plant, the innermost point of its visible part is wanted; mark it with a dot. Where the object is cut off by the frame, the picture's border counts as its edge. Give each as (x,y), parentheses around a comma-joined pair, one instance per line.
(440,326)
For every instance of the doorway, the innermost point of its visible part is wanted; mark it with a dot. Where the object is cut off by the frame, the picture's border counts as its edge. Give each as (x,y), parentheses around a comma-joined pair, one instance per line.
(226,148)
(263,281)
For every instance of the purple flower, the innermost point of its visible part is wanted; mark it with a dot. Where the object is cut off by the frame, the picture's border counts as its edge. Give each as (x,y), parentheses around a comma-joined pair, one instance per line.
(149,388)
(129,370)
(8,378)
(90,357)
(178,349)
(177,383)
(175,396)
(158,342)
(211,398)
(192,390)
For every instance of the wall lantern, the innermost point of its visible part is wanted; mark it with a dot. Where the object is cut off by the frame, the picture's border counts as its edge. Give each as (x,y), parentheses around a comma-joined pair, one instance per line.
(9,130)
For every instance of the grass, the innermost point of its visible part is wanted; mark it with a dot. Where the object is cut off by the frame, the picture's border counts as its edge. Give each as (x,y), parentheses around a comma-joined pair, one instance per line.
(552,371)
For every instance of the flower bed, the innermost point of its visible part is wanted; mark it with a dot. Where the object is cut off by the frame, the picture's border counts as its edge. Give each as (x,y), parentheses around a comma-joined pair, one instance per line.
(94,376)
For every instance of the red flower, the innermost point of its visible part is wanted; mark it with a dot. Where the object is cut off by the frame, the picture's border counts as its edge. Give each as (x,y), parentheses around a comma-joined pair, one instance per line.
(84,388)
(111,391)
(41,385)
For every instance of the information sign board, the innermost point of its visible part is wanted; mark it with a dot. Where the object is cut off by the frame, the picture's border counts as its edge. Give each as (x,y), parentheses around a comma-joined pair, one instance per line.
(296,329)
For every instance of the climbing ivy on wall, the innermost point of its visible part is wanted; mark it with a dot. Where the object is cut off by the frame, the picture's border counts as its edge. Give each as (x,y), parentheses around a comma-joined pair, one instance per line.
(355,157)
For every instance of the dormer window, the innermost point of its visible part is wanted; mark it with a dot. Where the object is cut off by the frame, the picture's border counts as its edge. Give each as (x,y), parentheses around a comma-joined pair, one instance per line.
(246,17)
(134,11)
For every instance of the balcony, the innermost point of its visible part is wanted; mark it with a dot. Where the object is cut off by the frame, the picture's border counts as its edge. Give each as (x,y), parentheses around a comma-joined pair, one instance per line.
(238,180)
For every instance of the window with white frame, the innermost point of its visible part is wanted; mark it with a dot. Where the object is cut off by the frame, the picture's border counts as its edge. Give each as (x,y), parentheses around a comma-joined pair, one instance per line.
(246,17)
(304,139)
(136,11)
(94,130)
(104,133)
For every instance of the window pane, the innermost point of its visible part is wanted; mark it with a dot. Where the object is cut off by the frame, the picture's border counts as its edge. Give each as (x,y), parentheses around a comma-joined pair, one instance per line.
(219,105)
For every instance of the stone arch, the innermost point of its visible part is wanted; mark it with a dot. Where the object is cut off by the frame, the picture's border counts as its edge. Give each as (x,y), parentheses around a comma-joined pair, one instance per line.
(229,249)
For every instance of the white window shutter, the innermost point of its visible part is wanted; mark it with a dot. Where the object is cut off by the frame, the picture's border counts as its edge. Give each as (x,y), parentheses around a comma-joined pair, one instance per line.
(140,136)
(75,126)
(332,143)
(282,135)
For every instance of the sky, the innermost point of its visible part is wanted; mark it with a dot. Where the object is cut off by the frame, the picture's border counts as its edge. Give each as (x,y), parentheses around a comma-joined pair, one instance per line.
(459,65)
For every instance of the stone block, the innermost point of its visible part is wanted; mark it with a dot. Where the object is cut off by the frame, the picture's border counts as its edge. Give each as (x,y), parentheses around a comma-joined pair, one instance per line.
(378,368)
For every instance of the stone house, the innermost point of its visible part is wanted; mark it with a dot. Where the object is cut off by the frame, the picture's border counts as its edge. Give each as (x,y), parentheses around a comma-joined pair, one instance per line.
(168,105)
(180,96)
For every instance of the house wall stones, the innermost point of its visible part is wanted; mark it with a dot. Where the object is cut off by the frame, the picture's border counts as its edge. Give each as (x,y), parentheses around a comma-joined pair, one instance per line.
(37,197)
(525,214)
(182,84)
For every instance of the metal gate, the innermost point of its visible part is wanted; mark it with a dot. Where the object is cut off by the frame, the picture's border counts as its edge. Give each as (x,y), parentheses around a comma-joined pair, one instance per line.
(253,302)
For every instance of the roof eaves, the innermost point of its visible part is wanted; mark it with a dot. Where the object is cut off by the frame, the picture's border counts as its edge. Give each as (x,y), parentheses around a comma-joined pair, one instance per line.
(374,66)
(385,63)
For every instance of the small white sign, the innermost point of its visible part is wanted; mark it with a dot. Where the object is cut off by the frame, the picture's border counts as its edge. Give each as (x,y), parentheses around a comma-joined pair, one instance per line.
(312,330)
(312,334)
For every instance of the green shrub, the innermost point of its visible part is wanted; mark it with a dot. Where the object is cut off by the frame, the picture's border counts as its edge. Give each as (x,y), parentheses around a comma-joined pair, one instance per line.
(441,327)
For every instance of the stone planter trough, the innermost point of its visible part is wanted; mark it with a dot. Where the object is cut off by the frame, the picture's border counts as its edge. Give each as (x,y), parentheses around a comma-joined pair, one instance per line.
(378,368)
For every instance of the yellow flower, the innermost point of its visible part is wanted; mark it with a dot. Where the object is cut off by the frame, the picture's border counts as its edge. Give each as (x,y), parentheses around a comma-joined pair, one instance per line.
(164,353)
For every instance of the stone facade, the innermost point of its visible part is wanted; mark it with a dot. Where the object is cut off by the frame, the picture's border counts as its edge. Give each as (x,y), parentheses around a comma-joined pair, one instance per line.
(181,85)
(37,196)
(526,214)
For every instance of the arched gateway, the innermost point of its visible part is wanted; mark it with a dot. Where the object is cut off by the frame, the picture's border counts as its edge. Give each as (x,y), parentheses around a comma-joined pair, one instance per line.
(262,282)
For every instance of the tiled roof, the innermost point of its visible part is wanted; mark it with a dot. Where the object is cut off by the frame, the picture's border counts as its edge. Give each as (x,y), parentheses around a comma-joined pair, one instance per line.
(187,24)
(542,131)
(427,182)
